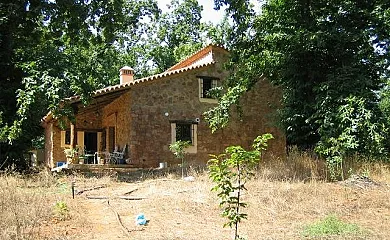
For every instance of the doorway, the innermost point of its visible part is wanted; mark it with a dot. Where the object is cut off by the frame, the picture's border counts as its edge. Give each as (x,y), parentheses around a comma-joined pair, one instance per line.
(90,145)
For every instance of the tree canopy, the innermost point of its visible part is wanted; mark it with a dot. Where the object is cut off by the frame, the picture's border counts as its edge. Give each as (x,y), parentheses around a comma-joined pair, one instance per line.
(50,50)
(329,57)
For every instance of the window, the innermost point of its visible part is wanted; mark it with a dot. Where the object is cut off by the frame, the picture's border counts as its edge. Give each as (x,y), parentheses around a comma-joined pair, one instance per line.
(205,85)
(66,137)
(111,138)
(185,131)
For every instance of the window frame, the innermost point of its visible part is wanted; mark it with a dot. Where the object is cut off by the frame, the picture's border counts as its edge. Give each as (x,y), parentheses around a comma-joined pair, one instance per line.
(189,130)
(64,142)
(194,134)
(214,83)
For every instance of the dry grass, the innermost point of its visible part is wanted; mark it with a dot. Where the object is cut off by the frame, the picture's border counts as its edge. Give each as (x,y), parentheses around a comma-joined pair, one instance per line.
(283,199)
(27,204)
(23,206)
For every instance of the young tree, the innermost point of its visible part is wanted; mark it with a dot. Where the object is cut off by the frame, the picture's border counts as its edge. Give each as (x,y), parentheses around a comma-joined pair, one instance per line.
(178,149)
(230,172)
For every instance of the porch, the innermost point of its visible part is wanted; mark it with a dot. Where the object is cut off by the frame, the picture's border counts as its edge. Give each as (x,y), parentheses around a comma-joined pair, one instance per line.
(92,167)
(98,136)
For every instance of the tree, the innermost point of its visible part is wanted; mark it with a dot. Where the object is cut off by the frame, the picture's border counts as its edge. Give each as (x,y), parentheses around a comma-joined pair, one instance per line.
(176,34)
(178,149)
(51,50)
(322,54)
(220,33)
(230,172)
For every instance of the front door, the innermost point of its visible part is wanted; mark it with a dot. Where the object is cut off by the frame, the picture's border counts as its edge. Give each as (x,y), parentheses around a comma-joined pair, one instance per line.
(90,144)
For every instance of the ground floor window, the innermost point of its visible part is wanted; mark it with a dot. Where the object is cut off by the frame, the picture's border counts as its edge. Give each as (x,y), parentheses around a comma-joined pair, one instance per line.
(185,131)
(66,138)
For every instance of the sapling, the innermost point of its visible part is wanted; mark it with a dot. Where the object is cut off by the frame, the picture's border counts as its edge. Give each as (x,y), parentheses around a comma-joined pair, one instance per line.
(178,149)
(230,171)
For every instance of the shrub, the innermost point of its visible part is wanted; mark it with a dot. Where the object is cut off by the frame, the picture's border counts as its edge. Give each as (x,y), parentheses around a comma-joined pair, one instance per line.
(331,226)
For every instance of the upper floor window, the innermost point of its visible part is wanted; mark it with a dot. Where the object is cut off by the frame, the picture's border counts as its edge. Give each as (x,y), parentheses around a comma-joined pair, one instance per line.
(205,85)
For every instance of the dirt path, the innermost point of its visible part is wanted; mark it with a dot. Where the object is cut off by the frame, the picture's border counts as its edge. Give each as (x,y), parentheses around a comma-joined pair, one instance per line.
(102,221)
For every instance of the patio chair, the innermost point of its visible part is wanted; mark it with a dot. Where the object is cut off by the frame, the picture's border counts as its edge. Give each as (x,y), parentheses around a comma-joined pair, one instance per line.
(117,157)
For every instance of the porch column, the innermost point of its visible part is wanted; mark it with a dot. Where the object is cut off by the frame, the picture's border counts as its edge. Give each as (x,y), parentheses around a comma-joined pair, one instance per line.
(72,141)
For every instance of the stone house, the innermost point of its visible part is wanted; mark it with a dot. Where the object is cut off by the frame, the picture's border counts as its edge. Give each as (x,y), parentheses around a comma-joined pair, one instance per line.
(148,114)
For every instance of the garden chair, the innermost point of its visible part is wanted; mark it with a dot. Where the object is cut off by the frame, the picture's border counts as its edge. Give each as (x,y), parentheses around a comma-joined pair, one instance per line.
(117,157)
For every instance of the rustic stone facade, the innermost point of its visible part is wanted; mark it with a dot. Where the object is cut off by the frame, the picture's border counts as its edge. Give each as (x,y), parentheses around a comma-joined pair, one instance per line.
(142,118)
(178,96)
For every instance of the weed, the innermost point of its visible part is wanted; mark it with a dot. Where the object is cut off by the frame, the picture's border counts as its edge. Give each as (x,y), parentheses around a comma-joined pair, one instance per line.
(331,226)
(23,206)
(61,210)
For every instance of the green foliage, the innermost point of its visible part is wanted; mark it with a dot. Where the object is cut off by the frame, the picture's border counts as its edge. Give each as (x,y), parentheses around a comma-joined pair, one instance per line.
(230,172)
(331,226)
(359,130)
(221,32)
(330,58)
(55,49)
(61,210)
(178,149)
(176,34)
(218,117)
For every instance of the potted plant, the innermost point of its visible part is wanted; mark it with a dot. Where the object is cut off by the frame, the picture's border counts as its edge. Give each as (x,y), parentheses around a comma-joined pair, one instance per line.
(71,154)
(101,158)
(81,159)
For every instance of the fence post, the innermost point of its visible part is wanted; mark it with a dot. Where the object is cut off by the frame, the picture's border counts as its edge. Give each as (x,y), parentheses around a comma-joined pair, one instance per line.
(73,184)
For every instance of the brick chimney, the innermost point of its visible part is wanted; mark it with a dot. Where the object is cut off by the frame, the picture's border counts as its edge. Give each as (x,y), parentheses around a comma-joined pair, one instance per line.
(126,74)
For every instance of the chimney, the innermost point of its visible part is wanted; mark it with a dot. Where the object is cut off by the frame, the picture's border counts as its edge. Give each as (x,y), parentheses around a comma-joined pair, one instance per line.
(126,74)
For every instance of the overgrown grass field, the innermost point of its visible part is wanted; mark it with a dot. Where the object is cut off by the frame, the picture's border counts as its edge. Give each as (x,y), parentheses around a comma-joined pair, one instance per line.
(287,200)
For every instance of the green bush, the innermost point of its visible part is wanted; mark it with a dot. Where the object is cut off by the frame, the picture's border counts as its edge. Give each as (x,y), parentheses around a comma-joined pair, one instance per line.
(61,210)
(331,226)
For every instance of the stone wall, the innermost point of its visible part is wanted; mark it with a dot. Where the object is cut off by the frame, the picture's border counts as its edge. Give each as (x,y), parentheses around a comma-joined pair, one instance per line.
(178,97)
(117,114)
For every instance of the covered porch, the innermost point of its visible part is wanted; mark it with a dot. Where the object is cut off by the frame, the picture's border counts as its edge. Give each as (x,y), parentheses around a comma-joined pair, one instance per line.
(99,134)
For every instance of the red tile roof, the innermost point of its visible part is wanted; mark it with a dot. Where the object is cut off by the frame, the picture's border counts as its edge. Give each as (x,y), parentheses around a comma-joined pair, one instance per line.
(196,56)
(120,87)
(183,66)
